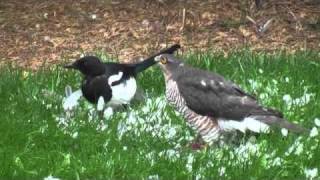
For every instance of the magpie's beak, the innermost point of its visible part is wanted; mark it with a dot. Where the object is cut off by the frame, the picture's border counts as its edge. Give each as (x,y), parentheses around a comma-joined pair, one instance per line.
(70,66)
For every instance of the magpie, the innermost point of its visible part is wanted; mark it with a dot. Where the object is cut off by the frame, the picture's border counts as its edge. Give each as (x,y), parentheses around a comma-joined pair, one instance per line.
(115,82)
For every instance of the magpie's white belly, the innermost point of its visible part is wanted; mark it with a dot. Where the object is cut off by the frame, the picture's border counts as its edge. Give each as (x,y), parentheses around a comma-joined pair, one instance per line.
(248,123)
(123,92)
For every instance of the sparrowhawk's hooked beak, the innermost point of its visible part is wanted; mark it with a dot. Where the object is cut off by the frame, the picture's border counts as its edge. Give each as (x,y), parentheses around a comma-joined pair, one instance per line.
(157,58)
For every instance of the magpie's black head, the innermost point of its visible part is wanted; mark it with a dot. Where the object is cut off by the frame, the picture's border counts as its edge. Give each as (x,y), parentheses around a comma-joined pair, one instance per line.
(88,65)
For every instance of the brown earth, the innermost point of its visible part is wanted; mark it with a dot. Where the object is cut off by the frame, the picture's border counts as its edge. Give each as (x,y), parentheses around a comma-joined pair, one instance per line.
(32,32)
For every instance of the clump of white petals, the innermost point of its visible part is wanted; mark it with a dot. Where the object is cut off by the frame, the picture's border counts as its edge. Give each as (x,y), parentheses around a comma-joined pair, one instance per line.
(153,177)
(311,173)
(317,122)
(284,132)
(50,177)
(296,147)
(222,171)
(71,99)
(300,101)
(189,162)
(314,132)
(108,112)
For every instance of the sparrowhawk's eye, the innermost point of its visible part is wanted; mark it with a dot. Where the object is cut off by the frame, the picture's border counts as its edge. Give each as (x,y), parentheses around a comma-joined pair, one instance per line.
(163,60)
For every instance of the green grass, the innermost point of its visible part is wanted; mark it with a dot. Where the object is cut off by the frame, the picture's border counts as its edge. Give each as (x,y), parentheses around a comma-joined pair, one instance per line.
(149,141)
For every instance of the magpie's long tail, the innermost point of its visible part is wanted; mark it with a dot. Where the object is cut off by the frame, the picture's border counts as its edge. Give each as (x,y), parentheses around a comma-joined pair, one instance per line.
(141,66)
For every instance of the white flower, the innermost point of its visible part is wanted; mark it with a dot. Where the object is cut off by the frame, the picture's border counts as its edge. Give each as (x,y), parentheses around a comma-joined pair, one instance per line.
(50,177)
(198,177)
(171,132)
(70,102)
(284,132)
(317,122)
(254,84)
(107,113)
(132,119)
(75,135)
(260,71)
(296,147)
(153,177)
(301,101)
(274,81)
(62,121)
(286,79)
(314,132)
(287,98)
(277,161)
(245,150)
(222,171)
(189,162)
(311,173)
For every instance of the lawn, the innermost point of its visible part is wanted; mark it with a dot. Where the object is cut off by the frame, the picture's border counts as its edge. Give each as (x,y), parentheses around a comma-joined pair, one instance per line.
(150,140)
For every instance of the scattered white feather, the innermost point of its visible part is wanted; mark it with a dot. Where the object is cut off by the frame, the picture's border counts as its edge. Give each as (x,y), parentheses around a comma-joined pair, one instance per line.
(284,132)
(317,122)
(70,102)
(50,177)
(100,104)
(314,132)
(311,173)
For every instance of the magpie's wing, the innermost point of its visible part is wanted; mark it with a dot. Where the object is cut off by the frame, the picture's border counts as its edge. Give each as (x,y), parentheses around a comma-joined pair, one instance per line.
(210,94)
(93,88)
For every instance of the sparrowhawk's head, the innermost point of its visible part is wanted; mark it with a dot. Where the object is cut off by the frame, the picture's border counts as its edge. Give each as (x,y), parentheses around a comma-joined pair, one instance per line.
(168,63)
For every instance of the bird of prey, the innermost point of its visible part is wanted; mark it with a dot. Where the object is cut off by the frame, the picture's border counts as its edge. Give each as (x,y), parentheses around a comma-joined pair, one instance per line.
(112,83)
(213,105)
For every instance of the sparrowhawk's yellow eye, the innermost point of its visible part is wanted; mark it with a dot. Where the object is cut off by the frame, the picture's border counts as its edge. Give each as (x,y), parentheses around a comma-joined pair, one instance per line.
(163,60)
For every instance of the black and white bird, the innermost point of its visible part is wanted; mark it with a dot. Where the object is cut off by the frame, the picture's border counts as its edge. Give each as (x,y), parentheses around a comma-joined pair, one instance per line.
(213,105)
(115,82)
